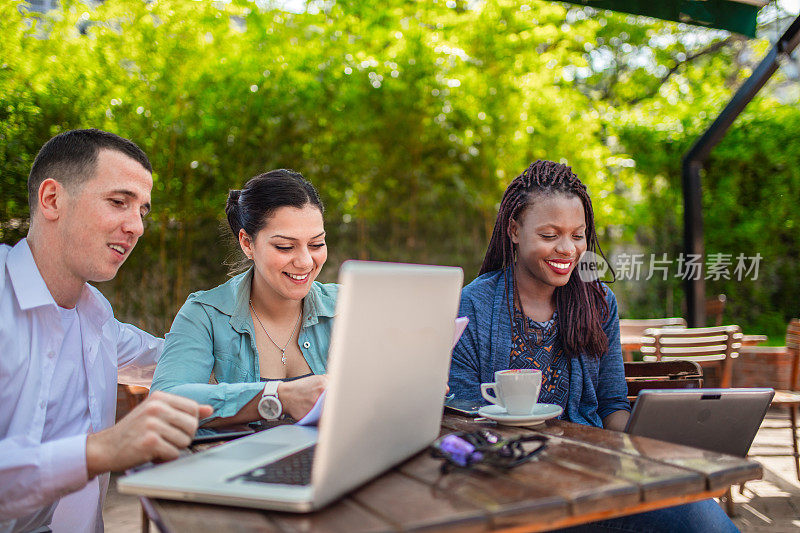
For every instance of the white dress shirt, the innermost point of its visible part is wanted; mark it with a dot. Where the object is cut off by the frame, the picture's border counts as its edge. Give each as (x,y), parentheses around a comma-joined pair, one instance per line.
(43,418)
(70,391)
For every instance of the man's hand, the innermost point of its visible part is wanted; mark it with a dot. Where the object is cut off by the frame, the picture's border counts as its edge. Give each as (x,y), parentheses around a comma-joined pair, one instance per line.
(156,430)
(300,395)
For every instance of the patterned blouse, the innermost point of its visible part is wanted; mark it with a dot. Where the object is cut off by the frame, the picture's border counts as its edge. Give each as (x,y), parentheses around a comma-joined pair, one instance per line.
(542,352)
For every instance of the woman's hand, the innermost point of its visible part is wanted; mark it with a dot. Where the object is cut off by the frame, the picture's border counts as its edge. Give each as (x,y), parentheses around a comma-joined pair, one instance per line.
(297,397)
(300,395)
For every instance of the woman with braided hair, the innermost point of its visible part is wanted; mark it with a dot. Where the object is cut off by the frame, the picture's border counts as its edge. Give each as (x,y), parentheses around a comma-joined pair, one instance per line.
(529,308)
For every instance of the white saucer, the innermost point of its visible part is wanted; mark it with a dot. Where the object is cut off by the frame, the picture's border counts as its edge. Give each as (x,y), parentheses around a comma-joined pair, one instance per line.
(541,412)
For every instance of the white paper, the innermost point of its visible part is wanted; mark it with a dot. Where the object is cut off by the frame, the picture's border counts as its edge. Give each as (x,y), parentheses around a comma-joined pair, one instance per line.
(312,417)
(461,325)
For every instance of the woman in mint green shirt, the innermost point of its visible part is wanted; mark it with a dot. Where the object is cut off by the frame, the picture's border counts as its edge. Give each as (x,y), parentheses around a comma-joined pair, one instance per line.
(271,323)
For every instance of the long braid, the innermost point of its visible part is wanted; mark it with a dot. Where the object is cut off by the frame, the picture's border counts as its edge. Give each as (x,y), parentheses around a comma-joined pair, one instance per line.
(581,307)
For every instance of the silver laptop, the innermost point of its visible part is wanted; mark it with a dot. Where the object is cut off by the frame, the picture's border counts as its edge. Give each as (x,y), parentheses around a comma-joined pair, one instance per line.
(387,371)
(720,420)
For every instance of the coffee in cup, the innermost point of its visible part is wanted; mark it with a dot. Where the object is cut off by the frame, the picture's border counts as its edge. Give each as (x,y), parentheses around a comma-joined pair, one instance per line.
(515,390)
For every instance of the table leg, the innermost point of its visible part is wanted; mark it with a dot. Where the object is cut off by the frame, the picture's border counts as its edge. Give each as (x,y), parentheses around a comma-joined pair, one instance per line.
(145,520)
(793,423)
(730,510)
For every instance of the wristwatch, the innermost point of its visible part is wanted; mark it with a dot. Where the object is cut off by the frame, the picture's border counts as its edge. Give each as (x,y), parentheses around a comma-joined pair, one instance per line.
(270,407)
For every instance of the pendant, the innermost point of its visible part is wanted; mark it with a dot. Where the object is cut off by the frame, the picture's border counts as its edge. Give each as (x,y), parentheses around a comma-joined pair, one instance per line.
(283,358)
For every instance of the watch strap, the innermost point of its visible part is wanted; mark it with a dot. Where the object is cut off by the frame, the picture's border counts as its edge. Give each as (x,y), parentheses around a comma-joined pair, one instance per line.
(271,388)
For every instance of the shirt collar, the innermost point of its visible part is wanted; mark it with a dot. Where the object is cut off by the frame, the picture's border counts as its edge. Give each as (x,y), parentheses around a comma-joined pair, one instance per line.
(234,301)
(317,304)
(29,286)
(31,290)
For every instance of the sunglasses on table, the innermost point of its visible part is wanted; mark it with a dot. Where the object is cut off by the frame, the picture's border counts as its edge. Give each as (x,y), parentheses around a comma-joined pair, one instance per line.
(485,448)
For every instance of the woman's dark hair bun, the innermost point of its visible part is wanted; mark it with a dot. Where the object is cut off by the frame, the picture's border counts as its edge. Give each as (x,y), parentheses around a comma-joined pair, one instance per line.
(249,208)
(232,211)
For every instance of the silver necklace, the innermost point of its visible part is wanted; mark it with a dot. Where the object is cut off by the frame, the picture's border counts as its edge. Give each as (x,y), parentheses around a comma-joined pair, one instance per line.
(283,350)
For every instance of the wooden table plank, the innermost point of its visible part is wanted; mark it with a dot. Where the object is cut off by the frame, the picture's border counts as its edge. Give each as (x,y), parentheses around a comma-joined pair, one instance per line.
(508,502)
(605,514)
(654,479)
(344,516)
(585,489)
(585,492)
(415,506)
(177,517)
(719,470)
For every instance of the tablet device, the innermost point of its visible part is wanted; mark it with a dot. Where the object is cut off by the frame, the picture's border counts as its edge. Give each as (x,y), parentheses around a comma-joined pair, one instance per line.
(719,420)
(462,407)
(204,435)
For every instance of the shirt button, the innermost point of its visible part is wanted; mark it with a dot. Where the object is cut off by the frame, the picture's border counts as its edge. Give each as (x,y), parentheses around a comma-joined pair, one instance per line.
(42,404)
(306,344)
(51,354)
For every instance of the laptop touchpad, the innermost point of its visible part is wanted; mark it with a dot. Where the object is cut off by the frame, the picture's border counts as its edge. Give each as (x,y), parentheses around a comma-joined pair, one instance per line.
(246,451)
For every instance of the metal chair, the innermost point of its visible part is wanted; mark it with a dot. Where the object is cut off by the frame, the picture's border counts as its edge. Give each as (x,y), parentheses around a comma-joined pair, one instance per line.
(629,327)
(710,347)
(633,329)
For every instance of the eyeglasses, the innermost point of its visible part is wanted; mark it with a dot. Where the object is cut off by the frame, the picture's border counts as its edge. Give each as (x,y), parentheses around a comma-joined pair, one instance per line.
(484,447)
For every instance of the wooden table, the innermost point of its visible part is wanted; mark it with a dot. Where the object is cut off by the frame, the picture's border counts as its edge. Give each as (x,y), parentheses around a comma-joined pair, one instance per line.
(585,474)
(753,340)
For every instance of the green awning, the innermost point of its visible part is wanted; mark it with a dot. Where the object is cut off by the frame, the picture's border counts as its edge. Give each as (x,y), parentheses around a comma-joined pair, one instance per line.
(736,16)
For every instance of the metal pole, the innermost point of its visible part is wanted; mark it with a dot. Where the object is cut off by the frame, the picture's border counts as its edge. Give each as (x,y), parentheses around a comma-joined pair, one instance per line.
(696,157)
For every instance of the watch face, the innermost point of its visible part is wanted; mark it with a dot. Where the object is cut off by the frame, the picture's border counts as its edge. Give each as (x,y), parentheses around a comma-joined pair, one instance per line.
(269,408)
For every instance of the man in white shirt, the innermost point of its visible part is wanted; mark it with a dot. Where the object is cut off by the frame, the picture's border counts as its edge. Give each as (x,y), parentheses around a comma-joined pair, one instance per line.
(62,351)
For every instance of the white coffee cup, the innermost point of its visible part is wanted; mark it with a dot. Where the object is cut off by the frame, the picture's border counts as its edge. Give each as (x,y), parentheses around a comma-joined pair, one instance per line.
(516,390)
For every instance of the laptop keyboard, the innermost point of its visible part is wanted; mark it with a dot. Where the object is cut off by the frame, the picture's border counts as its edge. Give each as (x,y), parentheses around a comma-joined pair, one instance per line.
(294,469)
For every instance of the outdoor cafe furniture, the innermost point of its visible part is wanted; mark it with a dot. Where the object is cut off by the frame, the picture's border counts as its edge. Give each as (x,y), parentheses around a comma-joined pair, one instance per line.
(661,375)
(584,474)
(631,331)
(753,340)
(634,343)
(715,308)
(790,397)
(714,347)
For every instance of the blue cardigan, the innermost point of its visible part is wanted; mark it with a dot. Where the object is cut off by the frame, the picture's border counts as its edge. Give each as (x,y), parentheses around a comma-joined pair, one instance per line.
(597,386)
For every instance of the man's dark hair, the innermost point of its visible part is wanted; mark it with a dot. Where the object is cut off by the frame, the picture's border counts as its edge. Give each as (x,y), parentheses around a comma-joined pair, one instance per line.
(70,158)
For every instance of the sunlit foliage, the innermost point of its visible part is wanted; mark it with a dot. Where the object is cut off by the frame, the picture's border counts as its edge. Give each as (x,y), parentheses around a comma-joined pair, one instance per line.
(410,117)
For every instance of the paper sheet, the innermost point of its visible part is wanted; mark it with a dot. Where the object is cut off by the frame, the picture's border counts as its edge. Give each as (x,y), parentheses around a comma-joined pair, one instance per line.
(461,325)
(312,417)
